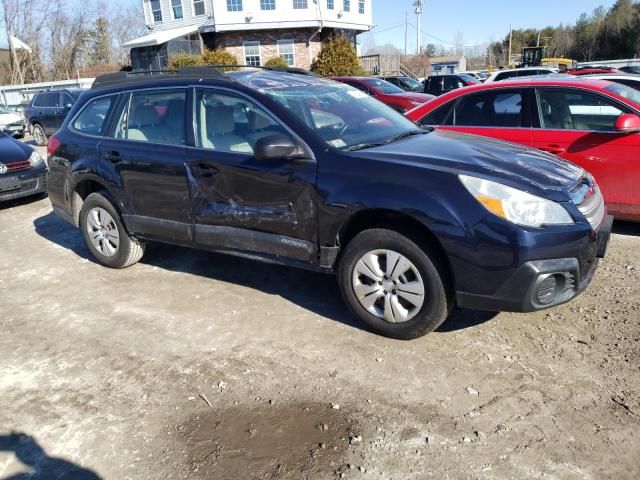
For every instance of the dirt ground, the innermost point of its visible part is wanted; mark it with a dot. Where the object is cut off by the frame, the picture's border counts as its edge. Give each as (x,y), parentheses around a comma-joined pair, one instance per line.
(205,366)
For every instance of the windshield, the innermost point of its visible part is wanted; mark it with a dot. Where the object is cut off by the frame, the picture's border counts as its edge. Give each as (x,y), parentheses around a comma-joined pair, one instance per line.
(382,85)
(414,85)
(625,92)
(343,116)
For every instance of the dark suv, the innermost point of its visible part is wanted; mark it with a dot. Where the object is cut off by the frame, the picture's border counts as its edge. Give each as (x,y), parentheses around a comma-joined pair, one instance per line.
(301,170)
(47,110)
(439,84)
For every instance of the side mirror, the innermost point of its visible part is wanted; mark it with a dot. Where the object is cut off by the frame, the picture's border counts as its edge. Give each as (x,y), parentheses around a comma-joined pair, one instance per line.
(277,147)
(68,105)
(627,123)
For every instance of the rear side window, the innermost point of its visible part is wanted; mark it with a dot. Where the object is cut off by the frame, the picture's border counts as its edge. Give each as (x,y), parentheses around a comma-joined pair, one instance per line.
(505,75)
(451,83)
(92,118)
(438,116)
(154,116)
(494,109)
(46,100)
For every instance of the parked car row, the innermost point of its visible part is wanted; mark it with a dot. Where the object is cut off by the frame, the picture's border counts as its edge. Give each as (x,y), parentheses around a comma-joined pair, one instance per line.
(309,172)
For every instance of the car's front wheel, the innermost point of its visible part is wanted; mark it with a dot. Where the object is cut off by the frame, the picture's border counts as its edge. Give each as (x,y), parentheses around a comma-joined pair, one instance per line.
(391,283)
(39,136)
(105,235)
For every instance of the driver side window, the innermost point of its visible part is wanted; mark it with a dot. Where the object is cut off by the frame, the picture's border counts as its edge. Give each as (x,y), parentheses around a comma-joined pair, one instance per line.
(231,123)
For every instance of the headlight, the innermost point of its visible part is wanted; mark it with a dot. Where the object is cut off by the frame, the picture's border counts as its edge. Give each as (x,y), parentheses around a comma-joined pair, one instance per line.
(35,159)
(515,205)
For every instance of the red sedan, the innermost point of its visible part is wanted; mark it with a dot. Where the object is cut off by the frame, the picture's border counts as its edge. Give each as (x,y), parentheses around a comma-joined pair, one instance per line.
(593,123)
(386,92)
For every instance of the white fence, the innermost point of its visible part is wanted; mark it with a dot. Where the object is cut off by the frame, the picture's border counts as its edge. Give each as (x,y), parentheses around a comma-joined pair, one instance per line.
(613,63)
(15,95)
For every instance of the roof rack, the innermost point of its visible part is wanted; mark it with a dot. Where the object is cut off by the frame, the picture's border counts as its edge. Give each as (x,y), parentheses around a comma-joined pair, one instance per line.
(196,70)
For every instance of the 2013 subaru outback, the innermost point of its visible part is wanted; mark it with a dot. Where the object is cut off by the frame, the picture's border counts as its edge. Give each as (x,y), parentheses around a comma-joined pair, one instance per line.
(297,169)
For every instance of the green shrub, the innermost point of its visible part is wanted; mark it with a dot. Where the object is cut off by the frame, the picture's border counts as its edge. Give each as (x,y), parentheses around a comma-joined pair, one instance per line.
(220,57)
(338,57)
(276,62)
(179,60)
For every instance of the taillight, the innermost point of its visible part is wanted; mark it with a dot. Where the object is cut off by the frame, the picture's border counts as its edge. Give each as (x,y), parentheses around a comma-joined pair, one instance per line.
(53,145)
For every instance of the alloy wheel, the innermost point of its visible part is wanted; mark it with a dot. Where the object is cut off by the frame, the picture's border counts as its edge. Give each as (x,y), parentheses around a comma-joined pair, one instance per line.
(103,231)
(388,285)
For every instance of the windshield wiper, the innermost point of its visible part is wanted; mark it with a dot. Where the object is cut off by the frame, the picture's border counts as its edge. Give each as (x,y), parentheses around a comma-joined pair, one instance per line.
(406,135)
(362,146)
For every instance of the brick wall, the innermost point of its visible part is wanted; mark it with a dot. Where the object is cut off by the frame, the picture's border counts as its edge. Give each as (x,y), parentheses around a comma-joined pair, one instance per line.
(233,42)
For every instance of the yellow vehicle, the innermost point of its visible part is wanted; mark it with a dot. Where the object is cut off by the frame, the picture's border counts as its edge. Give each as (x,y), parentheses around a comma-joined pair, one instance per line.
(544,57)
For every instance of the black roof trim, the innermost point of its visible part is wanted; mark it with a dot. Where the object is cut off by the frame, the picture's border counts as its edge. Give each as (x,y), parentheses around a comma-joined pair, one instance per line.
(213,71)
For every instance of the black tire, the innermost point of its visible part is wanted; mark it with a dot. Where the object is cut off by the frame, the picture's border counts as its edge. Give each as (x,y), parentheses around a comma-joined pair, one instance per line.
(39,136)
(437,301)
(129,250)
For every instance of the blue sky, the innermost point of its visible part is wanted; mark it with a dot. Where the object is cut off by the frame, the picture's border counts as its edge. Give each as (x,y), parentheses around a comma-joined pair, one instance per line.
(478,20)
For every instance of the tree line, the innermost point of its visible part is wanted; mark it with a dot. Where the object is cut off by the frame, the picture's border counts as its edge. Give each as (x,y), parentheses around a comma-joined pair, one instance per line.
(69,38)
(602,35)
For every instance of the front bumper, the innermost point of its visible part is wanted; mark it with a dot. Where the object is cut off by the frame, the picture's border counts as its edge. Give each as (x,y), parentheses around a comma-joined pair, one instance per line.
(23,184)
(16,131)
(540,284)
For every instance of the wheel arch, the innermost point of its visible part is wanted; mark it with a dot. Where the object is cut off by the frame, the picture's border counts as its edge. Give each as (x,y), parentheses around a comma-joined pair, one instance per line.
(81,190)
(400,222)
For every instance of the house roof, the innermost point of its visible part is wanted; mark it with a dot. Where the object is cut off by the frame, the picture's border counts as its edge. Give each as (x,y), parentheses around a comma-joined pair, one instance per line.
(161,36)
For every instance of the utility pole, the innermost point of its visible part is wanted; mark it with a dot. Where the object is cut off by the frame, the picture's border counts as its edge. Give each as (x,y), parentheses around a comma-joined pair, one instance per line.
(510,39)
(406,28)
(418,6)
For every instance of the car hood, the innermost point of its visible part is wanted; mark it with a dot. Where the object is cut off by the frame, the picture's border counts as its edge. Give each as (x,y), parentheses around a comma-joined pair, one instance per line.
(520,167)
(414,97)
(12,151)
(8,118)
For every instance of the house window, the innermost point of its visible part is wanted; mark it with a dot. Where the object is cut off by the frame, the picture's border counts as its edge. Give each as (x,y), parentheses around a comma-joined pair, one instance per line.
(329,4)
(267,4)
(198,7)
(176,8)
(287,52)
(361,7)
(156,11)
(252,53)
(299,4)
(234,5)
(346,5)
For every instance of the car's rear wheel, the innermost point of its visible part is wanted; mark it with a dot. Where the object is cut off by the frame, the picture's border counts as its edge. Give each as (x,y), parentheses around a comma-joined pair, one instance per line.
(38,135)
(391,283)
(105,235)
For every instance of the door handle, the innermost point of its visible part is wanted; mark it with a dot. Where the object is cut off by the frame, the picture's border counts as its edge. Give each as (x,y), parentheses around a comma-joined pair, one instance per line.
(555,149)
(207,170)
(113,156)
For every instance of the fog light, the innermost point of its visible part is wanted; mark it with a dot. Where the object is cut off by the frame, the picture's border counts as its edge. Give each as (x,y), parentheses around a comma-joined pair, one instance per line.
(549,288)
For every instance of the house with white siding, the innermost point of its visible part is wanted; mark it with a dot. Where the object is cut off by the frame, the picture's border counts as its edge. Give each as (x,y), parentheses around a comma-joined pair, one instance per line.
(253,30)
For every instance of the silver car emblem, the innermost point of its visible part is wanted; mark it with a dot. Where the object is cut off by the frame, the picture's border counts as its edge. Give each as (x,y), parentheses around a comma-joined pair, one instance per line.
(3,168)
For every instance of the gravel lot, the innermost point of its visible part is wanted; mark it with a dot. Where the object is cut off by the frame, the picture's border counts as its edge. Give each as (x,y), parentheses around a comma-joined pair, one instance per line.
(200,365)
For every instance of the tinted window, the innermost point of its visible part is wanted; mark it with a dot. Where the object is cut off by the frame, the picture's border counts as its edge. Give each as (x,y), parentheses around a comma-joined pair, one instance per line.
(66,99)
(438,116)
(495,109)
(434,83)
(92,117)
(47,100)
(576,110)
(505,75)
(451,83)
(231,123)
(156,117)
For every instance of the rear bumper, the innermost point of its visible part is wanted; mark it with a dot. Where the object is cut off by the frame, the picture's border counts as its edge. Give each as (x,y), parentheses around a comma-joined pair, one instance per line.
(541,284)
(25,183)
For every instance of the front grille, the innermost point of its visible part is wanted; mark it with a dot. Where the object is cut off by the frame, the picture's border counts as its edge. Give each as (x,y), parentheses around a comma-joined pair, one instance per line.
(28,185)
(588,198)
(17,166)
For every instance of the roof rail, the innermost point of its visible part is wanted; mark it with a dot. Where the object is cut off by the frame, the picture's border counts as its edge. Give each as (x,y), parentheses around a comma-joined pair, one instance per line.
(204,70)
(124,77)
